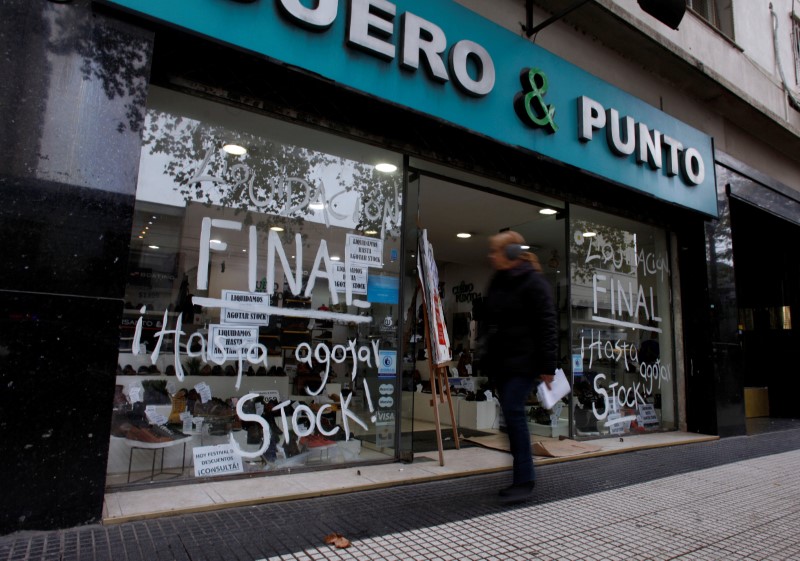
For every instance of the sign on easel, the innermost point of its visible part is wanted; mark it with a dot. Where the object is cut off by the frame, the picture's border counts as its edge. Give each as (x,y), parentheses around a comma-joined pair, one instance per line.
(436,339)
(429,279)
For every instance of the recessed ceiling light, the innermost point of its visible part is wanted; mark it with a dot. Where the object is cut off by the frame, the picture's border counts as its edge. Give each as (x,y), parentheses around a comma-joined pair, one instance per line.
(525,247)
(235,149)
(244,251)
(386,167)
(464,235)
(589,234)
(276,229)
(141,237)
(153,246)
(548,211)
(371,232)
(335,258)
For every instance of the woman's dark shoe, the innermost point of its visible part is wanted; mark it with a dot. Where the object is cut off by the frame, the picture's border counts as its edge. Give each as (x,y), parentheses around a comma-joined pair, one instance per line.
(518,492)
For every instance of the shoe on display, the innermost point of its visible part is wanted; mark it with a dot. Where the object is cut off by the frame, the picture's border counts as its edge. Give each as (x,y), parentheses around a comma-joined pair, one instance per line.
(172,434)
(320,441)
(145,434)
(315,441)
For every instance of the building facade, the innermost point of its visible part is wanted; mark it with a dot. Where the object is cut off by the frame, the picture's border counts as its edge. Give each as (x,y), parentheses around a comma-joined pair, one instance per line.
(215,212)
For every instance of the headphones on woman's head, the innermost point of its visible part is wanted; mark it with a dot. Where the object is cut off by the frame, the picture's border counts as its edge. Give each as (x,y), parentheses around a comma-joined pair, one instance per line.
(513,251)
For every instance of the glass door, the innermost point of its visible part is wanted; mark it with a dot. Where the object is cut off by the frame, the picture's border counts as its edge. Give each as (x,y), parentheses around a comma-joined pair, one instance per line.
(459,213)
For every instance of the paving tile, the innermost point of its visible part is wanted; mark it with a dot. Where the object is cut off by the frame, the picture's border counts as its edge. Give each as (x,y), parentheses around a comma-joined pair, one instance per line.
(735,498)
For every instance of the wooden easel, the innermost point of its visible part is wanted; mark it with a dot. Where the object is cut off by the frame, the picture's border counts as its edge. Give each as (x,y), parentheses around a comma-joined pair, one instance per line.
(440,389)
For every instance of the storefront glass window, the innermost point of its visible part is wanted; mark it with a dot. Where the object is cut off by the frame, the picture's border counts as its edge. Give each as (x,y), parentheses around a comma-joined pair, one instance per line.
(260,320)
(622,337)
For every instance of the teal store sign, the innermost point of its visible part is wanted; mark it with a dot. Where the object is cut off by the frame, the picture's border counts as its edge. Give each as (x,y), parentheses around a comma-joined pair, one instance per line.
(440,59)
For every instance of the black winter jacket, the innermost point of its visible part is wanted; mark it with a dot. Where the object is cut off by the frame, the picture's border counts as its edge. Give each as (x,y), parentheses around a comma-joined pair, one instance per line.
(521,333)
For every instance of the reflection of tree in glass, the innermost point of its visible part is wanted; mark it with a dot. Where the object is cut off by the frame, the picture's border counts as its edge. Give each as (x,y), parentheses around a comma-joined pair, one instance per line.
(117,58)
(270,178)
(251,181)
(607,239)
(718,233)
(379,210)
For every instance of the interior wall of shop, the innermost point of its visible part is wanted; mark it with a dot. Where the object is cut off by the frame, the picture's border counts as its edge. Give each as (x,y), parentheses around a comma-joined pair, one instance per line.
(72,101)
(767,271)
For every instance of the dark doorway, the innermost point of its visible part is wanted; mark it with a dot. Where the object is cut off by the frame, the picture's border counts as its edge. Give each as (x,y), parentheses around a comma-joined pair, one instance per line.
(767,265)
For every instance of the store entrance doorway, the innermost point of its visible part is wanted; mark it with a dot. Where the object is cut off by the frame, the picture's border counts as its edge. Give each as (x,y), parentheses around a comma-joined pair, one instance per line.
(459,215)
(767,268)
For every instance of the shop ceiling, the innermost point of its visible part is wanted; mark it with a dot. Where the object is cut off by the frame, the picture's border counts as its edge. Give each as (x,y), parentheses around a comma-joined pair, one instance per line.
(445,210)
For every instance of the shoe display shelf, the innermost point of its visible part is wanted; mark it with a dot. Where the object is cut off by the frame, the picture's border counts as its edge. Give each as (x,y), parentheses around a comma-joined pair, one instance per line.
(322,335)
(556,427)
(561,429)
(322,331)
(125,456)
(155,448)
(221,386)
(475,415)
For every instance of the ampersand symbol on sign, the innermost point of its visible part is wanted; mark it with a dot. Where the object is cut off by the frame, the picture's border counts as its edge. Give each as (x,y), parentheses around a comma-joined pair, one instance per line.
(529,104)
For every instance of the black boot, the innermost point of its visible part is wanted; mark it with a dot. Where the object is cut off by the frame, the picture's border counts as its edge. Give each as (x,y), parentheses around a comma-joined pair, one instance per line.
(518,492)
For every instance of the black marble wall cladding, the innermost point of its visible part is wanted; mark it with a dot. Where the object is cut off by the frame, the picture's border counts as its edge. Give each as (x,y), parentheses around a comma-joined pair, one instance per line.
(72,103)
(63,239)
(57,372)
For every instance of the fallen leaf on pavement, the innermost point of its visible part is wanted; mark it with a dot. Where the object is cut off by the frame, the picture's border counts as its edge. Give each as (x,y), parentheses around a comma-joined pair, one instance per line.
(342,542)
(338,540)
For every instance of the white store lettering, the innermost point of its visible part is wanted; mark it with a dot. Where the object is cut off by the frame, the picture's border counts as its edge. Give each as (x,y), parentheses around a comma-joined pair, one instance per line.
(370,28)
(650,146)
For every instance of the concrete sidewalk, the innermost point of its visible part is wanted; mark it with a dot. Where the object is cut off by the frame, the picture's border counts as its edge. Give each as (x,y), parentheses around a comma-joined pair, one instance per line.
(733,498)
(744,510)
(146,502)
